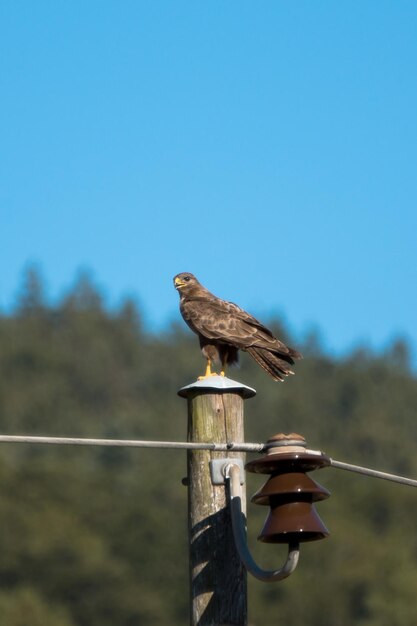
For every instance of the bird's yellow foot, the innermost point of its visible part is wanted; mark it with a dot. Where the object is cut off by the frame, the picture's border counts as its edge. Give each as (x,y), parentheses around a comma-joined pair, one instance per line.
(208,372)
(207,376)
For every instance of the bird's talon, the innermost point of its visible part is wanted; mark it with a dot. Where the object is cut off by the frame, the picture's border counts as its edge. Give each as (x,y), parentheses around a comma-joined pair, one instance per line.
(207,376)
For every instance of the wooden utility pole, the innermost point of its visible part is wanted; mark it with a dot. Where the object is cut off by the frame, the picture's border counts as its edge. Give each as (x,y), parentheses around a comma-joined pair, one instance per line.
(218,591)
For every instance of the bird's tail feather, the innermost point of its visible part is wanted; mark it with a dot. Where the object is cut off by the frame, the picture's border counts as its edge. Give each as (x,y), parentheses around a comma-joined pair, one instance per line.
(276,367)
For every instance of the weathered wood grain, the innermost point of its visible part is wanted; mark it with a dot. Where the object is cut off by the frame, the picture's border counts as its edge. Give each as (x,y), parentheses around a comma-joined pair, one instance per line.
(217,577)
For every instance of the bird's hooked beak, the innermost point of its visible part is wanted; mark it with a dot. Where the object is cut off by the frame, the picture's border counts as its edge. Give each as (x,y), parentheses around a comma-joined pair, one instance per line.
(178,283)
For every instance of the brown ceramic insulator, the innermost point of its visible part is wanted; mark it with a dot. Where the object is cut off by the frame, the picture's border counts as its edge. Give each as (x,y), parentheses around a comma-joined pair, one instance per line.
(280,442)
(293,521)
(282,462)
(294,484)
(282,437)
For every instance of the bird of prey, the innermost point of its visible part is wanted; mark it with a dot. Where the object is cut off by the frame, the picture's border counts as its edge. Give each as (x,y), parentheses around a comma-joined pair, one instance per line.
(224,328)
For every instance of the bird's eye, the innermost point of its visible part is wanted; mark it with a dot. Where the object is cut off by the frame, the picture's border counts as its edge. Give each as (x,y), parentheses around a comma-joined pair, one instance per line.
(187,279)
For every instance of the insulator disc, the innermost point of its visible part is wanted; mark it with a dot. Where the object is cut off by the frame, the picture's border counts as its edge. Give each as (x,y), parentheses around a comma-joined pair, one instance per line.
(293,521)
(292,483)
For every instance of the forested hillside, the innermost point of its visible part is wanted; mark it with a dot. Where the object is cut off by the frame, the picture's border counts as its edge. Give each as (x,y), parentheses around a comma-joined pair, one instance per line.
(97,536)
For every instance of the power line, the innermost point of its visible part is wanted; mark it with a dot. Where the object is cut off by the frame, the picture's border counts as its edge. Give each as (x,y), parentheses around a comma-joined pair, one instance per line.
(134,443)
(185,445)
(402,480)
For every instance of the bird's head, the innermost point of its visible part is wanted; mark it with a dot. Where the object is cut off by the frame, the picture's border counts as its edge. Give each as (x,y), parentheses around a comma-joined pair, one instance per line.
(186,283)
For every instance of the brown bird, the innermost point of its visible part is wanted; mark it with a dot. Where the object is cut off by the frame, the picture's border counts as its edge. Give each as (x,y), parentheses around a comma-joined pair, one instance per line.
(224,328)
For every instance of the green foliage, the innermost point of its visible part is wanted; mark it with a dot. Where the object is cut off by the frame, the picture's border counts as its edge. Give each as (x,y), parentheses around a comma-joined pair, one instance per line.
(21,606)
(98,537)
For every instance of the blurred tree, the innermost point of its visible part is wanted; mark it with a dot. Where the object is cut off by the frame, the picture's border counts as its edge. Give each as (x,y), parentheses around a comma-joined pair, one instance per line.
(23,606)
(31,298)
(98,537)
(84,296)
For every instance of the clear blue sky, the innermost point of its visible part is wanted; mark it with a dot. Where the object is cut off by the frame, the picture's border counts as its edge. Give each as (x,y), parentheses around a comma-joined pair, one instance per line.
(270,148)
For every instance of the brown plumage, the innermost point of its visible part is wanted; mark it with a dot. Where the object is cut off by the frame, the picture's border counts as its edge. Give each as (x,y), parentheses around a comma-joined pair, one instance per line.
(224,328)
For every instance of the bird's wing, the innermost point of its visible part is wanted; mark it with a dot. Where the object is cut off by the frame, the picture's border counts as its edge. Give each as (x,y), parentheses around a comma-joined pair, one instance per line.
(224,321)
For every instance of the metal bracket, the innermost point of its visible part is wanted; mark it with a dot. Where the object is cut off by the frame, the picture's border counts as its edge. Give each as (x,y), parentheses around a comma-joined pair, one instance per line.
(230,472)
(239,534)
(218,470)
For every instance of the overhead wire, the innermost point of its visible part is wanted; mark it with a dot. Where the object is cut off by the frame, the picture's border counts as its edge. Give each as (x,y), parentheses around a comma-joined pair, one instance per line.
(186,445)
(134,443)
